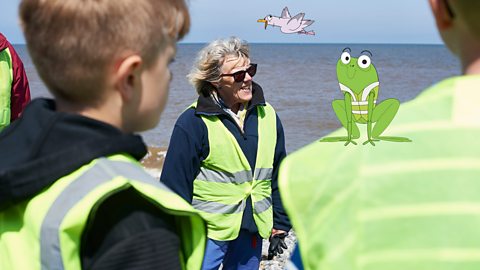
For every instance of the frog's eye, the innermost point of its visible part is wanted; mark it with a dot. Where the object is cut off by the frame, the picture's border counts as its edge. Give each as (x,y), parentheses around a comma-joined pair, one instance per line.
(364,61)
(345,58)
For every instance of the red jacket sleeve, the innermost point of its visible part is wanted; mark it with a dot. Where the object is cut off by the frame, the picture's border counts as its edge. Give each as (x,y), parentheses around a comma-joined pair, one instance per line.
(20,95)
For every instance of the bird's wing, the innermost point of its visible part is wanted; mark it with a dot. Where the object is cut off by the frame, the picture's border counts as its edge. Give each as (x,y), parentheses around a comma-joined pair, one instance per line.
(285,13)
(295,21)
(306,23)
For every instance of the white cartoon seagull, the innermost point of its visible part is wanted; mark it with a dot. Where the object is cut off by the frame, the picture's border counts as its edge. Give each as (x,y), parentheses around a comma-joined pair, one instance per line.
(289,24)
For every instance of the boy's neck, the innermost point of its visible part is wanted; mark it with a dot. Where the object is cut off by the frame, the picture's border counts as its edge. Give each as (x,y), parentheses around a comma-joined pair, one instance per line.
(468,51)
(101,113)
(471,65)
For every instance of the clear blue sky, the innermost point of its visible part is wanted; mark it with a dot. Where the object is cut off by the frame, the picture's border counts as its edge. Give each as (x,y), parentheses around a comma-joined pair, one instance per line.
(336,21)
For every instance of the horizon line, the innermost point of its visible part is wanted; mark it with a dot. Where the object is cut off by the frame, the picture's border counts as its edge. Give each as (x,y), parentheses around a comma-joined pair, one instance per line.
(308,43)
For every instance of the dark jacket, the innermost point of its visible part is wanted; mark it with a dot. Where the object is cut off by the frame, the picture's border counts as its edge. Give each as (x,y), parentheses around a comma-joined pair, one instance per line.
(20,94)
(126,231)
(189,147)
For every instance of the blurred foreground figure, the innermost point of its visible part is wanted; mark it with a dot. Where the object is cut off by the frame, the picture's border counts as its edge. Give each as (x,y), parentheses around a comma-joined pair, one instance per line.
(72,192)
(400,206)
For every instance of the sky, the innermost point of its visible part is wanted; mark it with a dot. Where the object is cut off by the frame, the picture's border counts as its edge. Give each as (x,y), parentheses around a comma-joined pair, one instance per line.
(336,21)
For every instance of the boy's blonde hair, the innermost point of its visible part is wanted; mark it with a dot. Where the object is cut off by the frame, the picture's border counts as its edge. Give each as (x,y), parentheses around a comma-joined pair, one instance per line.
(74,43)
(210,59)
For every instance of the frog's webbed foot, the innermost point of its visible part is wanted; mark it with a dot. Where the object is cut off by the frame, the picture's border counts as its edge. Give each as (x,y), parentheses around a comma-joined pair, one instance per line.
(371,141)
(338,139)
(350,141)
(394,139)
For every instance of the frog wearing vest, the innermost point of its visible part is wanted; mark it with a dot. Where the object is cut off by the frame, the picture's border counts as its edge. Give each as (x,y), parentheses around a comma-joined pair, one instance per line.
(358,80)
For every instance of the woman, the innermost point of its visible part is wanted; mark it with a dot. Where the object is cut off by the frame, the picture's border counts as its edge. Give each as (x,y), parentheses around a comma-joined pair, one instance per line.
(224,155)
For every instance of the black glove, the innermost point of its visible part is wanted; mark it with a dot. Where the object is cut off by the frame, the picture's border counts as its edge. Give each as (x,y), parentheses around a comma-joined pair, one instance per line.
(277,245)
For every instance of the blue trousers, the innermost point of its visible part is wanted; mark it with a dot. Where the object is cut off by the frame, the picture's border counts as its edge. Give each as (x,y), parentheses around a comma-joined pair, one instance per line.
(243,253)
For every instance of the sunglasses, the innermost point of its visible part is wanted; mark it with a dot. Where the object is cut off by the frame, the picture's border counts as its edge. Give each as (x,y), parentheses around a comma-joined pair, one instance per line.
(239,76)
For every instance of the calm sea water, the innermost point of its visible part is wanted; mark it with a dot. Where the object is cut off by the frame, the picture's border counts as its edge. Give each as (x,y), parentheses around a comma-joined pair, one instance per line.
(300,82)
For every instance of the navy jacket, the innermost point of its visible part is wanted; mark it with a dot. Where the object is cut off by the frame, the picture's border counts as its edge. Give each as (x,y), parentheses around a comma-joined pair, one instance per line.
(189,147)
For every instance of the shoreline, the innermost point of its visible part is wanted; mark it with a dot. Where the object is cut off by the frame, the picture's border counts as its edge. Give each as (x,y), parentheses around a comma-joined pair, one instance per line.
(153,160)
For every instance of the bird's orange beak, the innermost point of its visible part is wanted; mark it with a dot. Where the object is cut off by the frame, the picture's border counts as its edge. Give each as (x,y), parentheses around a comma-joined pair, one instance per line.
(264,21)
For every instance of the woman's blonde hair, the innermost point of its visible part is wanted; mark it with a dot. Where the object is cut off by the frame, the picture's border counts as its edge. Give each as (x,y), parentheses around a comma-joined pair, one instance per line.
(74,43)
(210,59)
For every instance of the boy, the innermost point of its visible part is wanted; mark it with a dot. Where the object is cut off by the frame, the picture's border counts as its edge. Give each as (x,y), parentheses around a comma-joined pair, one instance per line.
(14,90)
(400,206)
(72,193)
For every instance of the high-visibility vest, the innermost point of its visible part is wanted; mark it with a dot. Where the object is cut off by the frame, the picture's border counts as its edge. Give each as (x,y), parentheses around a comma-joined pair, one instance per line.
(6,79)
(360,100)
(45,231)
(393,206)
(226,180)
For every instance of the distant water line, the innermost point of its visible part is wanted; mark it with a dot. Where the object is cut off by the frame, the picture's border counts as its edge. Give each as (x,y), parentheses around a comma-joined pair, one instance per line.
(299,80)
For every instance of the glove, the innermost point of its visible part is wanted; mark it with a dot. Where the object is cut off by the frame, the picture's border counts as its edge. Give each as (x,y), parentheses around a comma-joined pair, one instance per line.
(277,245)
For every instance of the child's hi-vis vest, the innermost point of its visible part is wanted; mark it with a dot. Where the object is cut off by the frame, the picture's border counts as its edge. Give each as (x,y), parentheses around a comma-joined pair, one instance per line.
(360,101)
(45,232)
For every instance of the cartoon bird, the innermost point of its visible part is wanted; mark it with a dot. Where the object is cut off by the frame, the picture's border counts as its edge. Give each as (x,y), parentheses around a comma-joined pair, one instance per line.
(289,24)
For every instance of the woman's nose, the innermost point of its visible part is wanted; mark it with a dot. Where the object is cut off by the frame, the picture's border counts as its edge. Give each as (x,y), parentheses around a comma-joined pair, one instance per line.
(247,77)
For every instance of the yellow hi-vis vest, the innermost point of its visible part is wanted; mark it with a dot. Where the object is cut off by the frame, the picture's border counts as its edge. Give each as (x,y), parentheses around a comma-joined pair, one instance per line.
(44,233)
(226,180)
(360,100)
(395,206)
(6,79)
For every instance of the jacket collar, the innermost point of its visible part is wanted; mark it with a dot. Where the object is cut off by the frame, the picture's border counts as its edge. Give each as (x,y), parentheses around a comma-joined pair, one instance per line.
(207,106)
(3,42)
(44,145)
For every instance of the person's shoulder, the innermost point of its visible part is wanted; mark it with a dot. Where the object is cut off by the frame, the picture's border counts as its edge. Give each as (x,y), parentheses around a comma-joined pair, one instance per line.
(188,117)
(432,104)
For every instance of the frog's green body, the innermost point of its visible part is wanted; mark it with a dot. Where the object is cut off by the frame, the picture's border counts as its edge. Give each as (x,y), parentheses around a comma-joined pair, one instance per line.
(358,80)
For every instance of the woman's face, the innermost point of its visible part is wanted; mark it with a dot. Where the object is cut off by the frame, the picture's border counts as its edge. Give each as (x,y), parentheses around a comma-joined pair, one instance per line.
(234,93)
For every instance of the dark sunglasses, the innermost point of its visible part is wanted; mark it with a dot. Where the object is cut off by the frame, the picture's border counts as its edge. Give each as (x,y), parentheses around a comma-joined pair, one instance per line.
(239,76)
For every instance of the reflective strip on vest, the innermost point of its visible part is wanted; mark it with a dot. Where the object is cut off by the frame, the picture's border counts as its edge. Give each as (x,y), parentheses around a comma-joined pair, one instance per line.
(218,208)
(365,92)
(360,103)
(263,174)
(234,178)
(263,205)
(224,177)
(103,171)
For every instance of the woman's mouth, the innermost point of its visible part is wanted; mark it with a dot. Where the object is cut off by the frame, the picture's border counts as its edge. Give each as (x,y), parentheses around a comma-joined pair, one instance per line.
(246,88)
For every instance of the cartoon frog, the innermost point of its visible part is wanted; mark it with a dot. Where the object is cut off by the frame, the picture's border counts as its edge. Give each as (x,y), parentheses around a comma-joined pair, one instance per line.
(358,80)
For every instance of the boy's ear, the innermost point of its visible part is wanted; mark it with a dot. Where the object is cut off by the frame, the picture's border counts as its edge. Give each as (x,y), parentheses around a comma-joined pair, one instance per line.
(440,11)
(128,75)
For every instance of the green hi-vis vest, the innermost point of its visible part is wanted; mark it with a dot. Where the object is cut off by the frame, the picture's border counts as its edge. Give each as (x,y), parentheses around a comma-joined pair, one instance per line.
(395,206)
(226,180)
(6,79)
(360,101)
(44,233)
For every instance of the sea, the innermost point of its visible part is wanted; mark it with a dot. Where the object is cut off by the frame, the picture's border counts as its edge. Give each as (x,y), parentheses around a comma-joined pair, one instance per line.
(300,82)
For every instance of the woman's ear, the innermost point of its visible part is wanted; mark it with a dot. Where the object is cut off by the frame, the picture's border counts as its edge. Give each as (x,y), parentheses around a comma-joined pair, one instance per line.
(216,84)
(128,76)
